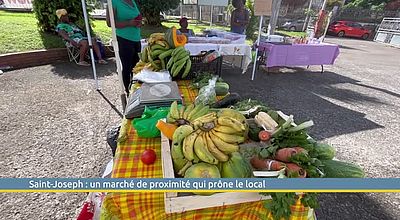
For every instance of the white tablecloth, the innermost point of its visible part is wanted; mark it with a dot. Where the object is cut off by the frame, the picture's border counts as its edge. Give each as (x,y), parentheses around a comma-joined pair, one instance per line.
(242,50)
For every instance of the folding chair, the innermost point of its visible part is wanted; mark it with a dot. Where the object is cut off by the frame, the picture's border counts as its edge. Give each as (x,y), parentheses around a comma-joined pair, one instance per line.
(73,52)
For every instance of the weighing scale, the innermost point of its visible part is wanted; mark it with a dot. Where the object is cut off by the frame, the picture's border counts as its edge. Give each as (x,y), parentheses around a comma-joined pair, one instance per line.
(152,95)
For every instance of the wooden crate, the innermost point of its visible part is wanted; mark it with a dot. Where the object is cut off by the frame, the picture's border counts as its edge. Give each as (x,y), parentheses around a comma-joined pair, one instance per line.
(175,203)
(180,202)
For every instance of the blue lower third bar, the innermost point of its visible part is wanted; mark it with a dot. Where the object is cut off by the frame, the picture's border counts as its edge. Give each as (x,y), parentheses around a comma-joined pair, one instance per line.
(187,185)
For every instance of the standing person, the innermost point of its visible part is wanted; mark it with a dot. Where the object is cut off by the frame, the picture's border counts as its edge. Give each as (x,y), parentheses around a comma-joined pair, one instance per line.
(128,21)
(240,17)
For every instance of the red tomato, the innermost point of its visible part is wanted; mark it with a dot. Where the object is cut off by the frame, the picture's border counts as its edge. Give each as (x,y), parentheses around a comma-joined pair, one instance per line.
(264,135)
(148,156)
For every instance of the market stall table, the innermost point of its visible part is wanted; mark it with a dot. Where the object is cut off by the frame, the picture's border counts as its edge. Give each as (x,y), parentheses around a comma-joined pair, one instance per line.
(290,55)
(241,50)
(150,205)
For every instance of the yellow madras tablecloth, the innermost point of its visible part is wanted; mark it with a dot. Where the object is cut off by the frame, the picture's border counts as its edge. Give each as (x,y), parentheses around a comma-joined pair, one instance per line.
(150,205)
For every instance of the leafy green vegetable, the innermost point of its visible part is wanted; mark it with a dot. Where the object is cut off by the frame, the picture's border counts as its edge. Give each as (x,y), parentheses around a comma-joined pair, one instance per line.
(280,204)
(310,200)
(251,106)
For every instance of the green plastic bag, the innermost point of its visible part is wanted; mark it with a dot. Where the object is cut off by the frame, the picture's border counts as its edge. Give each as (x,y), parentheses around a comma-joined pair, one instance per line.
(146,125)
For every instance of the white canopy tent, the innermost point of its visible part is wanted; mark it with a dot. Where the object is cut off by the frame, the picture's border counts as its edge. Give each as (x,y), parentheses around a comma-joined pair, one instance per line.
(115,45)
(87,25)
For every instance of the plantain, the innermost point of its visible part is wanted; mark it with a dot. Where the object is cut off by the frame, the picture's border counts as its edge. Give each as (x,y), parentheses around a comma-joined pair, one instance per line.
(156,53)
(170,63)
(178,69)
(165,54)
(187,68)
(214,150)
(177,50)
(144,55)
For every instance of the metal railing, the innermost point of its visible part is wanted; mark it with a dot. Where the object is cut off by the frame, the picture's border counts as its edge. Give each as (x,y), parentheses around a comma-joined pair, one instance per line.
(389,32)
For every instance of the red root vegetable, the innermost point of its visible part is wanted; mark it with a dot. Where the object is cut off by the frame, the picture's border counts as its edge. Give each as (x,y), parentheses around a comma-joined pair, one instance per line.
(292,168)
(271,165)
(285,154)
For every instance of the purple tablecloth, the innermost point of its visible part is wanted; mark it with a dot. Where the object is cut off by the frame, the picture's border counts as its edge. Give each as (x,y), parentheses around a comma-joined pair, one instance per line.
(299,54)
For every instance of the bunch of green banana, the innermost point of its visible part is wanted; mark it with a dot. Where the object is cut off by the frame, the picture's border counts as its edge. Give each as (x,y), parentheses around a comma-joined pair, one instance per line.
(179,62)
(181,115)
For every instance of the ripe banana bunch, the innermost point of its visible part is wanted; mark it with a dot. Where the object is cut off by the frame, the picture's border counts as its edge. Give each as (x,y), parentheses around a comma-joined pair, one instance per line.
(140,66)
(153,56)
(211,138)
(158,38)
(179,62)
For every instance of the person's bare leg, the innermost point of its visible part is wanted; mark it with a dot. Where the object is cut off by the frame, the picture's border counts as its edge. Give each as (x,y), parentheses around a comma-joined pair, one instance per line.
(83,49)
(96,49)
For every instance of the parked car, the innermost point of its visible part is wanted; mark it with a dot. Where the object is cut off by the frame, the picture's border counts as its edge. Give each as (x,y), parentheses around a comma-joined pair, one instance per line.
(294,25)
(349,29)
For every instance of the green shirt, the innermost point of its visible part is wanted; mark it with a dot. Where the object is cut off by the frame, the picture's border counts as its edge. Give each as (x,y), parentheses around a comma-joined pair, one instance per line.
(126,12)
(72,30)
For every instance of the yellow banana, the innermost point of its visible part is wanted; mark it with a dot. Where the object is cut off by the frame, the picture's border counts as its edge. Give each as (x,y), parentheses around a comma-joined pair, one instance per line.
(214,150)
(229,138)
(223,146)
(181,133)
(178,158)
(198,122)
(230,113)
(231,122)
(225,129)
(174,112)
(201,150)
(188,144)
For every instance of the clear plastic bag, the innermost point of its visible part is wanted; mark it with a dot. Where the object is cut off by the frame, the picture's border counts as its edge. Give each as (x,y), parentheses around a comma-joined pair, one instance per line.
(149,76)
(207,94)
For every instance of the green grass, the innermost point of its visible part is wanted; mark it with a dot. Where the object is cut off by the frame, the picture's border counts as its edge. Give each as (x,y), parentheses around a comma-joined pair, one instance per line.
(291,33)
(20,32)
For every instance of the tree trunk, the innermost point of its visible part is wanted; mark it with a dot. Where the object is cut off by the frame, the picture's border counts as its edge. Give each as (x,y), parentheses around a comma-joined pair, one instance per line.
(152,18)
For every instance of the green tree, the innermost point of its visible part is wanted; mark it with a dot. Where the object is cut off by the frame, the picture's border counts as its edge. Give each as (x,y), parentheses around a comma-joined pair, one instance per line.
(253,21)
(45,11)
(366,4)
(151,9)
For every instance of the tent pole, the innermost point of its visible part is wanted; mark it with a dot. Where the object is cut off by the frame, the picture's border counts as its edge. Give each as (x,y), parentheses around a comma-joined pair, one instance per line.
(258,44)
(116,51)
(90,43)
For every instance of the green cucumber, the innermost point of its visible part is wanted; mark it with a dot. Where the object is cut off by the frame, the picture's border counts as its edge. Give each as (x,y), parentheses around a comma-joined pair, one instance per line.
(339,169)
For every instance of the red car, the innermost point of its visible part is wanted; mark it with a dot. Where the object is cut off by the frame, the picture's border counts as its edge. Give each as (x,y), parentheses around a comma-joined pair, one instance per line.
(348,28)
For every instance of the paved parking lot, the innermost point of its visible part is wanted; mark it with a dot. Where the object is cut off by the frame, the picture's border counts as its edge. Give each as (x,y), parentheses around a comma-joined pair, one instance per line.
(52,124)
